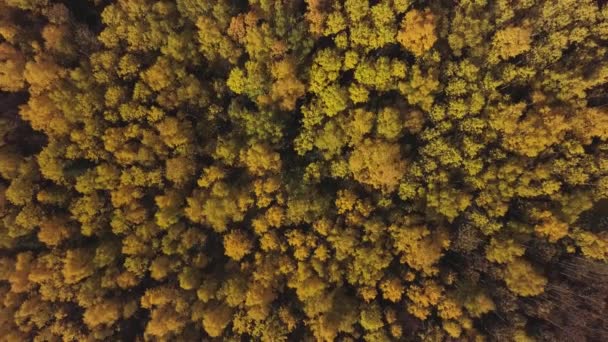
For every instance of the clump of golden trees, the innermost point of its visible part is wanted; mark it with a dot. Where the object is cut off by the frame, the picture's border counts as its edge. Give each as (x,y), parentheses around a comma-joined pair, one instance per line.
(303,170)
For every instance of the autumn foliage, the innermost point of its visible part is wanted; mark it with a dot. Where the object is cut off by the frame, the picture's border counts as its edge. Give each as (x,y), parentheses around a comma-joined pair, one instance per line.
(299,170)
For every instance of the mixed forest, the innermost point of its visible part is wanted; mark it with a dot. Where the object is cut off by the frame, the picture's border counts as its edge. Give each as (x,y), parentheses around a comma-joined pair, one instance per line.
(303,170)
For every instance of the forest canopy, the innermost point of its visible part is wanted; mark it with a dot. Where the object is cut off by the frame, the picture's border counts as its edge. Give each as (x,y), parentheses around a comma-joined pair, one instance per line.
(303,170)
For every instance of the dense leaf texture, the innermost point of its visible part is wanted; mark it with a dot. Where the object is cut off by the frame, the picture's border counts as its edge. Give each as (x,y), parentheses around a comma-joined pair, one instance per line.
(303,170)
